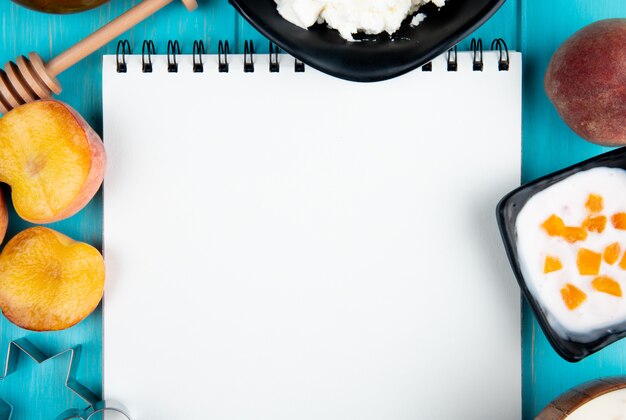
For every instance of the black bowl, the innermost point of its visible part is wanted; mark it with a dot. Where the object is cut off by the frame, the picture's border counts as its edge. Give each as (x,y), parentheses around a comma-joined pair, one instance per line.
(574,348)
(381,57)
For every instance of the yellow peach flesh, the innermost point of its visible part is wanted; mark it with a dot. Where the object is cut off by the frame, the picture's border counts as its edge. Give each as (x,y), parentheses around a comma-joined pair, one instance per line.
(588,262)
(611,253)
(554,225)
(573,234)
(622,263)
(49,282)
(607,285)
(595,224)
(619,221)
(552,264)
(594,204)
(51,158)
(572,296)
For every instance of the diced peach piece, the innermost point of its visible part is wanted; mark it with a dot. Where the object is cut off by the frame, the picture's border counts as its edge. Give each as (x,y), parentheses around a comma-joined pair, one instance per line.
(52,159)
(554,225)
(572,296)
(595,224)
(619,221)
(573,234)
(4,216)
(588,262)
(594,203)
(552,264)
(606,284)
(611,253)
(49,282)
(622,263)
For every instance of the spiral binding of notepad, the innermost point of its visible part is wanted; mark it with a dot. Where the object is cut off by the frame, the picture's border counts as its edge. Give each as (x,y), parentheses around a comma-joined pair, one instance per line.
(223,51)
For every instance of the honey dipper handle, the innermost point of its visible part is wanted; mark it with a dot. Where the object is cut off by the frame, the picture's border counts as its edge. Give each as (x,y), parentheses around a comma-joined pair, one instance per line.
(107,33)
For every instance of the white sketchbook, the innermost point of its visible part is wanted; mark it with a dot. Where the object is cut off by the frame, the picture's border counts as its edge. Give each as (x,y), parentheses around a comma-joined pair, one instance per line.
(290,246)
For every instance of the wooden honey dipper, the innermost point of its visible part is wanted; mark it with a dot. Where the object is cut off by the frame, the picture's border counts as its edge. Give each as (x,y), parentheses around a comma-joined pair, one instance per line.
(30,79)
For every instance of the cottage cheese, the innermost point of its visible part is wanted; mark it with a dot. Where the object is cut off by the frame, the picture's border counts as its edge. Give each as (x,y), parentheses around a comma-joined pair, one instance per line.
(352,16)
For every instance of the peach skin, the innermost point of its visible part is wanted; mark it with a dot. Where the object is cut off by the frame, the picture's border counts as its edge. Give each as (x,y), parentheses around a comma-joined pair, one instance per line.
(586,82)
(51,158)
(4,216)
(49,282)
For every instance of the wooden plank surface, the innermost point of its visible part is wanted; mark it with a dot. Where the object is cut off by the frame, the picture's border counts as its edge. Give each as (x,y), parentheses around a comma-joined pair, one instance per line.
(535,26)
(550,145)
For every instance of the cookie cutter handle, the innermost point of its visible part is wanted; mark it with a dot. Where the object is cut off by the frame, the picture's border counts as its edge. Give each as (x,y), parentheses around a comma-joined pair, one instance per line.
(101,407)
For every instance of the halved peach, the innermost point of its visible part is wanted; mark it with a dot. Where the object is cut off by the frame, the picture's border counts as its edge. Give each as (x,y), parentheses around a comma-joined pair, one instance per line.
(4,216)
(52,159)
(48,281)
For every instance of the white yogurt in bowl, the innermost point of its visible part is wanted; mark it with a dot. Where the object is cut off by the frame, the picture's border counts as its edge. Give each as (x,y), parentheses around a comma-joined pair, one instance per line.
(571,245)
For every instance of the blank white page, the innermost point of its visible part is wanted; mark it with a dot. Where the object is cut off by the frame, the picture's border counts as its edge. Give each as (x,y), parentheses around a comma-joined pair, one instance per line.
(290,246)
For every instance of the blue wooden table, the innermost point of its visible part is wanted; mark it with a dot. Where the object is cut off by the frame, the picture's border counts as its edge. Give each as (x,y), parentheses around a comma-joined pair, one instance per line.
(535,27)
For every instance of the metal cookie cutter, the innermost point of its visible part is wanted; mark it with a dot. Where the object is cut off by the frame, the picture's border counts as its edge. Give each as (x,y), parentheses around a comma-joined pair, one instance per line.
(96,406)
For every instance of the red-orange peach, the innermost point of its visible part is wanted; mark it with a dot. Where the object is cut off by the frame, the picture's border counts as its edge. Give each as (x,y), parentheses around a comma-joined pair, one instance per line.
(586,82)
(61,6)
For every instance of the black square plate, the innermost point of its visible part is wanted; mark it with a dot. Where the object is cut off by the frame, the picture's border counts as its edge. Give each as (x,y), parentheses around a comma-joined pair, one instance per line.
(380,57)
(507,211)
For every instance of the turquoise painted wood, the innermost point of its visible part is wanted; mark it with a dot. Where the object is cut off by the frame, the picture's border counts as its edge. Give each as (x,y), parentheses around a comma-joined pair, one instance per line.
(549,145)
(534,26)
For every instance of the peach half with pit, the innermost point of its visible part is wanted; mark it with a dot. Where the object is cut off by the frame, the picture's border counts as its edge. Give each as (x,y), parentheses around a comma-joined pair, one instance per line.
(51,158)
(49,282)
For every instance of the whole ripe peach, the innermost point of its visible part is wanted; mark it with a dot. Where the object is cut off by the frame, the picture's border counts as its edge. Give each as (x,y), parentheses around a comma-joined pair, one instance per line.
(4,216)
(61,6)
(586,82)
(51,158)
